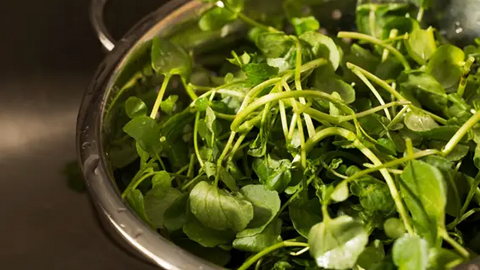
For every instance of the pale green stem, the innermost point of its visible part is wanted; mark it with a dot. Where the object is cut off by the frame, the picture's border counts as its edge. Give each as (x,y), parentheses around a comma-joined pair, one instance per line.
(460,133)
(461,250)
(160,95)
(268,250)
(189,90)
(377,80)
(420,14)
(374,91)
(395,52)
(195,139)
(279,96)
(393,34)
(222,156)
(283,117)
(298,85)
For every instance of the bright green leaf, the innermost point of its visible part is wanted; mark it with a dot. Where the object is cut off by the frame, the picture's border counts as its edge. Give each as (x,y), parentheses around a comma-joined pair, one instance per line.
(421,45)
(145,131)
(410,252)
(219,210)
(170,59)
(215,18)
(394,228)
(135,107)
(337,243)
(323,47)
(305,24)
(446,65)
(168,105)
(419,121)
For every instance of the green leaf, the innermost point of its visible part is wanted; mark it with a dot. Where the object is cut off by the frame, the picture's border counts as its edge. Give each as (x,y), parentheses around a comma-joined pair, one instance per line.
(402,24)
(157,201)
(219,210)
(423,188)
(424,89)
(204,235)
(394,228)
(168,105)
(410,252)
(386,146)
(175,216)
(337,243)
(274,174)
(258,242)
(304,215)
(419,121)
(446,66)
(259,72)
(326,81)
(421,45)
(215,18)
(169,59)
(340,192)
(323,47)
(280,265)
(136,201)
(274,45)
(162,179)
(374,196)
(373,254)
(440,258)
(266,204)
(422,3)
(305,24)
(144,155)
(216,255)
(135,107)
(145,131)
(240,61)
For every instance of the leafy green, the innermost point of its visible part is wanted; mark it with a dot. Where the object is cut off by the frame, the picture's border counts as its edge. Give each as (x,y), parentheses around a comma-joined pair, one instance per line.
(337,243)
(424,191)
(305,24)
(278,138)
(410,252)
(219,210)
(170,59)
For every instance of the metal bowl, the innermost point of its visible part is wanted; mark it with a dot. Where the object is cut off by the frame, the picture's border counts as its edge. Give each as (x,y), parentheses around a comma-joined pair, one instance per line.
(123,60)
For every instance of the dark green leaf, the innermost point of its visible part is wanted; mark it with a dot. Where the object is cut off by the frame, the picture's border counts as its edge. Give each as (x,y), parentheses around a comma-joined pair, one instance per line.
(170,59)
(304,215)
(215,18)
(135,107)
(305,24)
(373,254)
(323,47)
(425,89)
(326,81)
(145,131)
(175,215)
(446,66)
(386,146)
(258,242)
(168,105)
(204,235)
(219,210)
(216,255)
(337,243)
(274,45)
(157,201)
(259,72)
(410,252)
(136,201)
(266,204)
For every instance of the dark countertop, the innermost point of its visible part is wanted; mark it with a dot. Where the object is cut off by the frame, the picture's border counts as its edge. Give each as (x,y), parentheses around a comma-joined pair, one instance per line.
(49,54)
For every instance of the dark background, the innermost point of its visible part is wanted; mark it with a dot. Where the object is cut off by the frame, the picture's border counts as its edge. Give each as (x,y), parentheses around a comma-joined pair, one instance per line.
(48,56)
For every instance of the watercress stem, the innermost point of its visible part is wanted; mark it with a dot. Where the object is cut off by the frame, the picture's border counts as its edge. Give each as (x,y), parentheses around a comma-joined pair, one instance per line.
(374,91)
(134,184)
(160,95)
(335,131)
(268,250)
(460,133)
(395,52)
(461,250)
(189,90)
(195,139)
(222,156)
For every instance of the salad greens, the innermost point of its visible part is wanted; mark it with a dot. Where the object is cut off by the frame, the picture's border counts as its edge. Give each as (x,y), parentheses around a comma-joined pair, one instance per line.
(295,149)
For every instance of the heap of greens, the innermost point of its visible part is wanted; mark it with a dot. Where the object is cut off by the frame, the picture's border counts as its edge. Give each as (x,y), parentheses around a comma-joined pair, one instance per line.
(307,151)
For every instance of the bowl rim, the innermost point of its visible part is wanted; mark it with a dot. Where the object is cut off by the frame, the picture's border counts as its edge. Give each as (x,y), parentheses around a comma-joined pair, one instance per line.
(92,158)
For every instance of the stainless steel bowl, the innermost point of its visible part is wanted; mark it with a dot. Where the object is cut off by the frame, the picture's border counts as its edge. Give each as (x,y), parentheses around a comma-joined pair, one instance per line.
(119,220)
(123,60)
